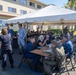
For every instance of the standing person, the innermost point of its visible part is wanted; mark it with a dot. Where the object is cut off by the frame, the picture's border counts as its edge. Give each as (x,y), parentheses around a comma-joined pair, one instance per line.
(25,27)
(6,48)
(11,32)
(21,36)
(65,30)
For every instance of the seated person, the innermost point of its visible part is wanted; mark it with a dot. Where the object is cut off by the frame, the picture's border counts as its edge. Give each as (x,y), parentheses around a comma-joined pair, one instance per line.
(41,42)
(68,46)
(68,34)
(28,39)
(55,58)
(30,47)
(51,36)
(47,39)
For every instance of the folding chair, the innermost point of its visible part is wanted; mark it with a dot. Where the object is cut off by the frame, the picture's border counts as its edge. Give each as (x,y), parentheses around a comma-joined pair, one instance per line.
(74,53)
(74,57)
(64,69)
(72,64)
(25,59)
(74,46)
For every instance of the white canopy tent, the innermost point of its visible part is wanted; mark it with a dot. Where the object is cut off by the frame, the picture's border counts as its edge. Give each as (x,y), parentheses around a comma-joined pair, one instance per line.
(50,13)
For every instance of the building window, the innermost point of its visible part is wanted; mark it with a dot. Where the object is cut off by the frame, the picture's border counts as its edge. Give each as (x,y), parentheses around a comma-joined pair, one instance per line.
(32,4)
(14,0)
(1,8)
(10,9)
(23,12)
(39,7)
(0,22)
(23,1)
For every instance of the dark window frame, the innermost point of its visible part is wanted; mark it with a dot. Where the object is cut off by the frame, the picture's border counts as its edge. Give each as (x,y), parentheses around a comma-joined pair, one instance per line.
(22,2)
(14,0)
(12,10)
(32,4)
(1,7)
(23,12)
(39,6)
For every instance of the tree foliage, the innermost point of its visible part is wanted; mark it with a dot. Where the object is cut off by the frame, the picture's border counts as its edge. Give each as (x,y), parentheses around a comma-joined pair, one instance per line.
(71,4)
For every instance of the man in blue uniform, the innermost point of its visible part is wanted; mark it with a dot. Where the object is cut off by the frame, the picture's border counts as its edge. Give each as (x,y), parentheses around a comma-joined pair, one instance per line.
(30,47)
(68,46)
(11,32)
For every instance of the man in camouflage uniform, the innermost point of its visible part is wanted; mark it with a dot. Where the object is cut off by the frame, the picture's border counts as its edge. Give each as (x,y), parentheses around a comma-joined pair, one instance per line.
(55,58)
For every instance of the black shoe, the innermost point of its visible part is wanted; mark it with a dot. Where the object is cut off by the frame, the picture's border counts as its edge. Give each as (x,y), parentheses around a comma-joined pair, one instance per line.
(12,66)
(0,58)
(20,53)
(3,69)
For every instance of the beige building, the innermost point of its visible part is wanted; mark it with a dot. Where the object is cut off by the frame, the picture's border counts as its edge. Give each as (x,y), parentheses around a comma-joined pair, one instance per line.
(13,8)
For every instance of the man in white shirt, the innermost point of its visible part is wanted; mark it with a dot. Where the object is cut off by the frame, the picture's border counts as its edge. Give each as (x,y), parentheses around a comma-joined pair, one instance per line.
(21,36)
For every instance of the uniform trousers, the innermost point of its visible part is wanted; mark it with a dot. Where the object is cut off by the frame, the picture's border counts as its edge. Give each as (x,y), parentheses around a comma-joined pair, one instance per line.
(4,58)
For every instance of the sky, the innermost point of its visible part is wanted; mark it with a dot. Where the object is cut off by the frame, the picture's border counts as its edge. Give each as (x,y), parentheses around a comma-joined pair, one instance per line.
(59,3)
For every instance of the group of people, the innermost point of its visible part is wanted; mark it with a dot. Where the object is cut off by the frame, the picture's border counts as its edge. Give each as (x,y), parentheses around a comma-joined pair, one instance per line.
(54,59)
(6,42)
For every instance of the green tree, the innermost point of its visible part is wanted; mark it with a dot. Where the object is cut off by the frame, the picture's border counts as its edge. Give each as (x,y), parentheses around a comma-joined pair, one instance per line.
(75,5)
(71,4)
(66,5)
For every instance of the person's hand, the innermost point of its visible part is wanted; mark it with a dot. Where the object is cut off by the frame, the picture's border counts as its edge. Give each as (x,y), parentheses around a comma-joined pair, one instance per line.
(15,36)
(46,39)
(11,52)
(49,56)
(45,42)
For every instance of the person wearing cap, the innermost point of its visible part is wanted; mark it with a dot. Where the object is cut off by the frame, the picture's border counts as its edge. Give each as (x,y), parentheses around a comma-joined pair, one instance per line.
(55,58)
(68,46)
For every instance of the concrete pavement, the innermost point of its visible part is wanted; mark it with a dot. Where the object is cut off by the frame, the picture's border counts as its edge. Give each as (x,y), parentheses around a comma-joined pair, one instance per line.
(24,69)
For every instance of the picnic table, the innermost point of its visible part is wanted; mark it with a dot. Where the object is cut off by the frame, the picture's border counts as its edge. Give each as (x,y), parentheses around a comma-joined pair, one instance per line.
(41,51)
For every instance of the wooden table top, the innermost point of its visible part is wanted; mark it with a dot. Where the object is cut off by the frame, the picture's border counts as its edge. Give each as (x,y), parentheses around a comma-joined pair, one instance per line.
(40,51)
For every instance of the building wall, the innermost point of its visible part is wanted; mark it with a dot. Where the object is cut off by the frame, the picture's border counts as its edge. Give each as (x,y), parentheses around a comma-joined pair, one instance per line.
(18,6)
(4,14)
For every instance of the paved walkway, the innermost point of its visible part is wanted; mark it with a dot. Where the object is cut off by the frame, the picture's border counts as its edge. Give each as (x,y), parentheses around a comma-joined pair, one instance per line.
(24,69)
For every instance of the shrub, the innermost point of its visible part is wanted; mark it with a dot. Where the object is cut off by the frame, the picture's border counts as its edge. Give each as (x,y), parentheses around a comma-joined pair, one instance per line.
(15,33)
(56,31)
